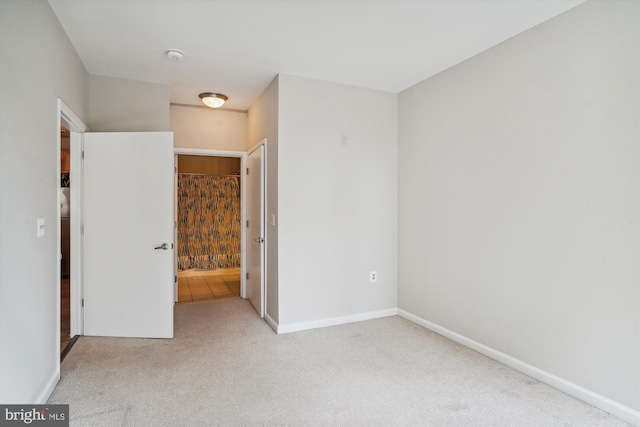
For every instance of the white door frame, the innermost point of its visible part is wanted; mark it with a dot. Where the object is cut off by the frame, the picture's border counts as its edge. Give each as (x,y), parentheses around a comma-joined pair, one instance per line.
(67,118)
(243,158)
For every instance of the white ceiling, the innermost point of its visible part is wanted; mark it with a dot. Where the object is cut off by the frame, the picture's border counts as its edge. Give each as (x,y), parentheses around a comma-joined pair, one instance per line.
(236,47)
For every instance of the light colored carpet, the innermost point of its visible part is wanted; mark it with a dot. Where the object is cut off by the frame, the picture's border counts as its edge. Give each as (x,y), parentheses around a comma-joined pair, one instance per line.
(226,367)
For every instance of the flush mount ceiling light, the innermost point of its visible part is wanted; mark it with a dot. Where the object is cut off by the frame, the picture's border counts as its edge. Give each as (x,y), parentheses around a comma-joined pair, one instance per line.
(213,100)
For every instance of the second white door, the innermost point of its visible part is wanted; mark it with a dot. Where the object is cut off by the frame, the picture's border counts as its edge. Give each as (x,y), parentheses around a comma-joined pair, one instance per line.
(255,230)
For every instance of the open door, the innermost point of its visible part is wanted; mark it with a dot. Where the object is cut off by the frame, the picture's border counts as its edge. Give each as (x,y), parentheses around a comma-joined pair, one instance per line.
(128,234)
(255,229)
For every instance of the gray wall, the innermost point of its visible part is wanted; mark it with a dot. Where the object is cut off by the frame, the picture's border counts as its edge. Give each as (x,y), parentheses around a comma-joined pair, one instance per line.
(121,105)
(262,122)
(337,176)
(38,66)
(518,198)
(208,129)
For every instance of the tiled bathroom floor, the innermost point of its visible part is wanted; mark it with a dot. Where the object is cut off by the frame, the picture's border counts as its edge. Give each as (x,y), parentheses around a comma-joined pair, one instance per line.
(208,285)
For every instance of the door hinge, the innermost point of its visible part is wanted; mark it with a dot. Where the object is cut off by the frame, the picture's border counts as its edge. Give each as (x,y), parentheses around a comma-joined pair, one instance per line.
(247,223)
(82,229)
(247,275)
(175,279)
(82,154)
(83,302)
(247,171)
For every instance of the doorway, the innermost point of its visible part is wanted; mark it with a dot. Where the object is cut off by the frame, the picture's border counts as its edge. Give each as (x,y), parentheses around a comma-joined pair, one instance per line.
(65,240)
(69,246)
(208,227)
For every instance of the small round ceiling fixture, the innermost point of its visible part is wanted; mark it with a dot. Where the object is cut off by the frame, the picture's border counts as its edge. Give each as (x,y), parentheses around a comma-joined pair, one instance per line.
(213,100)
(174,55)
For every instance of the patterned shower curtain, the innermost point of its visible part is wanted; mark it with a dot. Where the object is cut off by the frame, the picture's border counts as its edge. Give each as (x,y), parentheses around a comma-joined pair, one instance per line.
(208,222)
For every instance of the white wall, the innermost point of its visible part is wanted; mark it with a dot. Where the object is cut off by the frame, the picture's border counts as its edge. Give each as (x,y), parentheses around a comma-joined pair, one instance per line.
(518,203)
(337,181)
(204,128)
(262,122)
(39,65)
(121,105)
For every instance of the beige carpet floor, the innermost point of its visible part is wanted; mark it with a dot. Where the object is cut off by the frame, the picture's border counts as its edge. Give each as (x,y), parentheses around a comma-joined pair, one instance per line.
(226,367)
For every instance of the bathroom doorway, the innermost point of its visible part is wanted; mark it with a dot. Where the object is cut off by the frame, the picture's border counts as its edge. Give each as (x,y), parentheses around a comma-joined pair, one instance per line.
(208,223)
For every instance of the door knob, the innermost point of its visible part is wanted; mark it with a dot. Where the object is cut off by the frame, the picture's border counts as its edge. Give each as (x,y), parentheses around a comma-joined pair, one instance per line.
(163,246)
(259,240)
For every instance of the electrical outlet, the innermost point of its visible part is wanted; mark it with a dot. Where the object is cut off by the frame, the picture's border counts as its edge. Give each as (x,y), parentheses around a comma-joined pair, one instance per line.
(373,276)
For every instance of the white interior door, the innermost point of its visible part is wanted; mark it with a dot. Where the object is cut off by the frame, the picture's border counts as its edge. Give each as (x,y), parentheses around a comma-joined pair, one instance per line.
(128,234)
(255,229)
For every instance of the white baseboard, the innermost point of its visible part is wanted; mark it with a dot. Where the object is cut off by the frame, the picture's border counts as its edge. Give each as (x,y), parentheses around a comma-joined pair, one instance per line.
(271,322)
(295,327)
(48,388)
(614,408)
